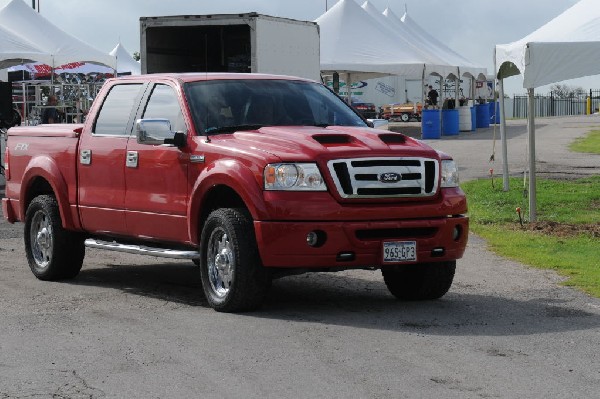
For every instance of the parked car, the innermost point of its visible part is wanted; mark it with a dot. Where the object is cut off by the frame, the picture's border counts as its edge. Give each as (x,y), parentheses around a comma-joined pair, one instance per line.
(367,110)
(402,111)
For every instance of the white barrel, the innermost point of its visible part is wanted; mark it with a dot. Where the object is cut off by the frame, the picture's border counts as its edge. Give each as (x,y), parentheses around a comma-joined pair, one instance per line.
(464,119)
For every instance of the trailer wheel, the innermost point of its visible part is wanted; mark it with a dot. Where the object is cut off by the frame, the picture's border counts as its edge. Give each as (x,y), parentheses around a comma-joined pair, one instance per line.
(405,117)
(233,277)
(421,281)
(53,253)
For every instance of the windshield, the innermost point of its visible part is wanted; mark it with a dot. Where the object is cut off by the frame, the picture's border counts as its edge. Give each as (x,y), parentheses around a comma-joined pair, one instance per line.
(220,106)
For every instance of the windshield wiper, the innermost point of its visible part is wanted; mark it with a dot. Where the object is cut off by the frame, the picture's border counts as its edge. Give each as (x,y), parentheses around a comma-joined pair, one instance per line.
(231,129)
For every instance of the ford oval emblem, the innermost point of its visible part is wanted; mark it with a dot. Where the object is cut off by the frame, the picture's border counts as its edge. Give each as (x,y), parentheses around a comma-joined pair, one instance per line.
(390,177)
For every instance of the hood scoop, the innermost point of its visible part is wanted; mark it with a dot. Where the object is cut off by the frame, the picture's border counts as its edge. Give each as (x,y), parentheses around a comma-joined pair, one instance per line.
(391,138)
(332,139)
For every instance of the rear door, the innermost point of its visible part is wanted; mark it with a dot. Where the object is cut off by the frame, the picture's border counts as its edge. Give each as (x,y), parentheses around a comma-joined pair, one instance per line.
(156,176)
(102,157)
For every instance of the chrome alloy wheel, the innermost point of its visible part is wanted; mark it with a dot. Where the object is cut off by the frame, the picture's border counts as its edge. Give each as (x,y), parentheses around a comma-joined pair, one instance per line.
(221,262)
(41,239)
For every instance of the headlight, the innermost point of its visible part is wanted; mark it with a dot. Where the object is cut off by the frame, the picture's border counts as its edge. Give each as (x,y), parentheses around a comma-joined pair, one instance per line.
(449,173)
(293,177)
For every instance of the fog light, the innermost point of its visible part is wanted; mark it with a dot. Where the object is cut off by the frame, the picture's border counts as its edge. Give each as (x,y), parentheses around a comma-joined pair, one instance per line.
(456,233)
(316,238)
(312,239)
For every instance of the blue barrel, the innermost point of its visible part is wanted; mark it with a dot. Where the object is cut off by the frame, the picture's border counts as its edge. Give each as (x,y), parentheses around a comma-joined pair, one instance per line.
(494,112)
(483,115)
(430,124)
(450,122)
(473,119)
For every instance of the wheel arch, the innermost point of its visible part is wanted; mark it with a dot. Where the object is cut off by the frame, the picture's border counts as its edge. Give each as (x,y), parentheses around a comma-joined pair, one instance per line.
(227,184)
(44,177)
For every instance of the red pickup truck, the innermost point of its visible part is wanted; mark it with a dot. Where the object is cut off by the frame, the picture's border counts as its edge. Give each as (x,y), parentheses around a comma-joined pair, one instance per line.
(252,177)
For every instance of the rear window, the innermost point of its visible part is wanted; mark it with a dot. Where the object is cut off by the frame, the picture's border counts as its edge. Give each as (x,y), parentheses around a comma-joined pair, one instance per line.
(113,118)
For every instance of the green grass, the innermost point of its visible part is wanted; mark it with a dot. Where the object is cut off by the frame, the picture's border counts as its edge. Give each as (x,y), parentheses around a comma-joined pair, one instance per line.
(574,255)
(590,143)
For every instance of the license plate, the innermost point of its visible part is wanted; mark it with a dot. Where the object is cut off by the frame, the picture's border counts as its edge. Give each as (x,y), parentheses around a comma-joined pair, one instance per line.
(399,251)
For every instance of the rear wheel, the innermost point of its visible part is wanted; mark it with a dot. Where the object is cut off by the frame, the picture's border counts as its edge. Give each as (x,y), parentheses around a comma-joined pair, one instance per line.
(233,277)
(421,281)
(405,117)
(53,253)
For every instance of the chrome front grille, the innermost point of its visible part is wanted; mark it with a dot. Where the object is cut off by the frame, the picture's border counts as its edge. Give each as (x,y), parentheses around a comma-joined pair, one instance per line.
(385,177)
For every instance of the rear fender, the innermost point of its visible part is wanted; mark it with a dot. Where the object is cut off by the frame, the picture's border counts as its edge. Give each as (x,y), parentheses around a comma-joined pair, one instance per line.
(234,175)
(46,168)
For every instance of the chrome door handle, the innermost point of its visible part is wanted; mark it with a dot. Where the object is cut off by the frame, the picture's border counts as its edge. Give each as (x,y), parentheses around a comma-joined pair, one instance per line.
(132,159)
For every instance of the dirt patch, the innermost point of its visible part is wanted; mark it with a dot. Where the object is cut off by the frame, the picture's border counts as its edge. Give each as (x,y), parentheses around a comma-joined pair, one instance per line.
(563,229)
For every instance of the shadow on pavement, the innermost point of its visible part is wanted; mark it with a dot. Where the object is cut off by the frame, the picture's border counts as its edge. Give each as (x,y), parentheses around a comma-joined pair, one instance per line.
(337,299)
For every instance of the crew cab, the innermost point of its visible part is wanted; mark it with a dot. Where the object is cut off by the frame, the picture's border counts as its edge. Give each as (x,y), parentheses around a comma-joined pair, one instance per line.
(252,177)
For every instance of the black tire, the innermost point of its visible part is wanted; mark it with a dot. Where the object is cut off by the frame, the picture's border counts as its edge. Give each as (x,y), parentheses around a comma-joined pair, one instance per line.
(421,281)
(233,277)
(53,253)
(405,117)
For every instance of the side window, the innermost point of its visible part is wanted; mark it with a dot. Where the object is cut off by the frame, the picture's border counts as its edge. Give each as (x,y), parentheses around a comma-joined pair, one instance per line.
(163,103)
(116,110)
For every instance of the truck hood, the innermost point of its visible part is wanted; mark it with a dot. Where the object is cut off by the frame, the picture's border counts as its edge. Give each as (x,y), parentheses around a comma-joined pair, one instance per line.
(308,143)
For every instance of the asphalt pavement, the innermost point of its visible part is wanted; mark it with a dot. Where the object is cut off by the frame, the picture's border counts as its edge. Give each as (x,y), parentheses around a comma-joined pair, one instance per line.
(139,327)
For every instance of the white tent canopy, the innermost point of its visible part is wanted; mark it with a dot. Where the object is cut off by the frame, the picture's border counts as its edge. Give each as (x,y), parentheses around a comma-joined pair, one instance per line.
(567,47)
(353,42)
(15,50)
(451,57)
(59,47)
(125,62)
(433,65)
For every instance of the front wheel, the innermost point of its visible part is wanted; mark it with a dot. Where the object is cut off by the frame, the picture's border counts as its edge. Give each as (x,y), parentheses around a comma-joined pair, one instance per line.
(233,277)
(421,281)
(53,253)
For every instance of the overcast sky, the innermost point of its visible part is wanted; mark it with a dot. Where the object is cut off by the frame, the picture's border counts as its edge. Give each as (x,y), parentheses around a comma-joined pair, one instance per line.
(470,27)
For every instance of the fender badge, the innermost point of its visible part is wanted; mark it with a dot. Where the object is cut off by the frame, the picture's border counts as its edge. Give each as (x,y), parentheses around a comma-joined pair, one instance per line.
(197,158)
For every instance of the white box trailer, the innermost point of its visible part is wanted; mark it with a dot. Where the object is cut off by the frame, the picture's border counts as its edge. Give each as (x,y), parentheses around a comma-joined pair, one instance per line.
(248,42)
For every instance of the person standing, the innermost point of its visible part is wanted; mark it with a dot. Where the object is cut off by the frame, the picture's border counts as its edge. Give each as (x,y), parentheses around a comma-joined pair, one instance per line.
(432,97)
(51,114)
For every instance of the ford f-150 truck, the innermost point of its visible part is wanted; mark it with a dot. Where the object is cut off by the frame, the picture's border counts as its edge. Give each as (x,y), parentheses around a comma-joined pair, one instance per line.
(252,177)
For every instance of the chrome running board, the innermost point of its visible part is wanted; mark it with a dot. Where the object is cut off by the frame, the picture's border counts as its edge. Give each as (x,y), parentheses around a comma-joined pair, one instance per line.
(142,249)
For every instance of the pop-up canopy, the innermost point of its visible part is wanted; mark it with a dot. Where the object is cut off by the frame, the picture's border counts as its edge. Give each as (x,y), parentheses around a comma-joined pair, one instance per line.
(567,47)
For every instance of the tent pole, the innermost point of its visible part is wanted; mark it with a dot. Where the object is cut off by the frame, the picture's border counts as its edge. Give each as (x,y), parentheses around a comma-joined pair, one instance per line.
(531,142)
(456,88)
(349,88)
(505,185)
(440,107)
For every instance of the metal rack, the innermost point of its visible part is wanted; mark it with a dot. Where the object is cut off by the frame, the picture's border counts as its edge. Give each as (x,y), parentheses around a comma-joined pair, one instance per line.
(74,99)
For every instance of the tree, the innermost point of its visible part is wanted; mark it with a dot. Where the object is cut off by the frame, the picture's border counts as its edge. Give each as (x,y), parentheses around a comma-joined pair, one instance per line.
(566,91)
(136,55)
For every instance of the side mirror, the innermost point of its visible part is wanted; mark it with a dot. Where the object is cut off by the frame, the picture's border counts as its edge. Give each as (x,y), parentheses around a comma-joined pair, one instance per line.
(179,140)
(370,124)
(157,131)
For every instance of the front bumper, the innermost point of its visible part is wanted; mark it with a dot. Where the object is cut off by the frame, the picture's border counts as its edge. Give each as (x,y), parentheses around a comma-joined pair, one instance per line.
(358,244)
